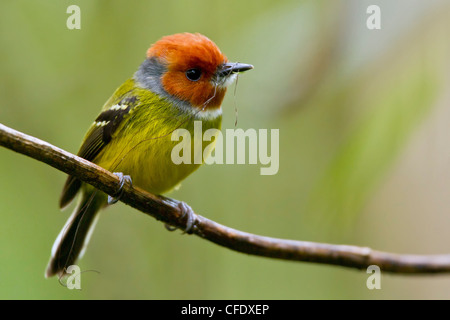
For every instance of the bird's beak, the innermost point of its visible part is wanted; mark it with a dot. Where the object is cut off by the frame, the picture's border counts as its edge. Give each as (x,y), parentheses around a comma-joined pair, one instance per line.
(229,68)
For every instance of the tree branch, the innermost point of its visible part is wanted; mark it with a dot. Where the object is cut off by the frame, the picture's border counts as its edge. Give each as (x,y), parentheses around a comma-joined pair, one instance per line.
(170,212)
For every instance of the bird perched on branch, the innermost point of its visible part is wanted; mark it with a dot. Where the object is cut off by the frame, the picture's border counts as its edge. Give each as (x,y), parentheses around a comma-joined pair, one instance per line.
(183,79)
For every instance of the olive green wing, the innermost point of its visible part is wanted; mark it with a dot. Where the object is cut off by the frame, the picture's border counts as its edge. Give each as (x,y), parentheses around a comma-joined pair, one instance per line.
(99,135)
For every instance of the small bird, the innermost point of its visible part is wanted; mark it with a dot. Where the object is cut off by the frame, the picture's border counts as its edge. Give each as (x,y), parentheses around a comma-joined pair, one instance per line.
(183,79)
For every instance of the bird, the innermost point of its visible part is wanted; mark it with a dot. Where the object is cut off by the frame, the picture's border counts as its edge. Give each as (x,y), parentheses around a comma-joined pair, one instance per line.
(183,79)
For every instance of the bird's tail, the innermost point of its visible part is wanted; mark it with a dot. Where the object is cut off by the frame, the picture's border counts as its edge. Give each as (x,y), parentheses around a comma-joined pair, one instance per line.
(73,238)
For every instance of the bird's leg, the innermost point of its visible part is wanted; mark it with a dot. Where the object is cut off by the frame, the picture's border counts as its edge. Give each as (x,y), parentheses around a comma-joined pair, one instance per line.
(186,210)
(118,195)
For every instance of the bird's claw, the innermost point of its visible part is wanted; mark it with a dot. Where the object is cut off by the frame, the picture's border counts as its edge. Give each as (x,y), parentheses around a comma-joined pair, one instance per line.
(169,227)
(190,222)
(123,178)
(186,210)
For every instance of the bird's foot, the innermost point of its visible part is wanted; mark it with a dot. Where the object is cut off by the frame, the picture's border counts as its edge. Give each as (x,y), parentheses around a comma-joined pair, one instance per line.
(186,210)
(123,178)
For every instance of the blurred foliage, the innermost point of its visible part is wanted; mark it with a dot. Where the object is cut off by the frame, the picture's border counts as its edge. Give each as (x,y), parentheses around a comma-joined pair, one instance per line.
(348,102)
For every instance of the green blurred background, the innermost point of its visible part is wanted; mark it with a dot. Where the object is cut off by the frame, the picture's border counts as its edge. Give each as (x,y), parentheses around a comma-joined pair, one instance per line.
(364,145)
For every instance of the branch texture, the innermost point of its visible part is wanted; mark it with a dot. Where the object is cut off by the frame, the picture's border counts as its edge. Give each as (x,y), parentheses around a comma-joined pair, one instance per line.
(171,212)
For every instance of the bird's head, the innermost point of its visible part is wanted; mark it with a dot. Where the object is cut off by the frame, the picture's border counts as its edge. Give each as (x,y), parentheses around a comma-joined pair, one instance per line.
(190,70)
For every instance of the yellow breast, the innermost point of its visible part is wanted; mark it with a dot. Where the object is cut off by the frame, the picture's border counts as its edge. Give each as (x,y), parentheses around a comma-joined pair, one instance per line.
(142,146)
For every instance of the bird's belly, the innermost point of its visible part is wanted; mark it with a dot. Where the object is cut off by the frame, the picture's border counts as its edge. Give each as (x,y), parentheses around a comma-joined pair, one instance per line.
(155,171)
(148,162)
(145,151)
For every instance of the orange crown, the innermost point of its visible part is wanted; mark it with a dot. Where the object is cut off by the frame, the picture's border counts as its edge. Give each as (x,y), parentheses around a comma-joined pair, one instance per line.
(181,52)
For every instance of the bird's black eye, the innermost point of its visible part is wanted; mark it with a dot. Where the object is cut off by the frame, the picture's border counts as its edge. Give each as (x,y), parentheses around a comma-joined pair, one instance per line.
(193,74)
